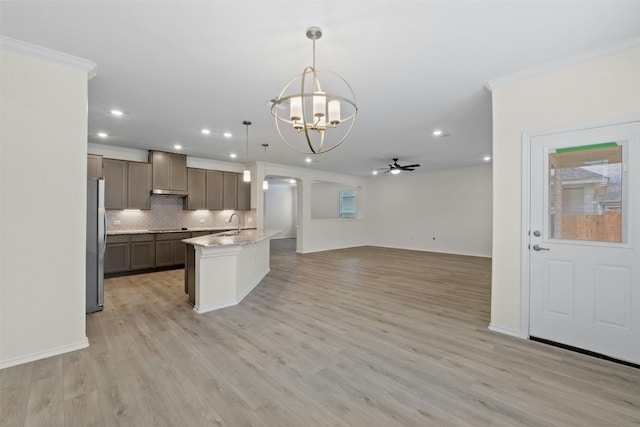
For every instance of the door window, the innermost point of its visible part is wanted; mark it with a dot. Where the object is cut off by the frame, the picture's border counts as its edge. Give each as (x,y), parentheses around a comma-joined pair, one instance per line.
(585,193)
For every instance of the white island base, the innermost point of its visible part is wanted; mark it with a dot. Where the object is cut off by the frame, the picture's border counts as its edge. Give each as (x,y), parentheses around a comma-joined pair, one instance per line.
(221,271)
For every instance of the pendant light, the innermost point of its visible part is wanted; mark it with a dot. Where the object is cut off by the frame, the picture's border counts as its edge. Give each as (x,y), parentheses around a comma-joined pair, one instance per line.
(246,175)
(265,183)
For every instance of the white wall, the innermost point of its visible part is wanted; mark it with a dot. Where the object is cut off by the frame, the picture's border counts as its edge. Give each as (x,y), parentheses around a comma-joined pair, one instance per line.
(315,234)
(454,206)
(280,210)
(43,173)
(594,90)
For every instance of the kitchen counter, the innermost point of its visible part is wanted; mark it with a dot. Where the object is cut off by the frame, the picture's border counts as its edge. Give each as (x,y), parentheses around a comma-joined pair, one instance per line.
(174,230)
(246,237)
(221,270)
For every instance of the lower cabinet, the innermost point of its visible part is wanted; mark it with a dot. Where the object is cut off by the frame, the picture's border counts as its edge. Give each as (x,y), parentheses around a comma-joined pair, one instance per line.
(170,249)
(116,255)
(135,252)
(143,251)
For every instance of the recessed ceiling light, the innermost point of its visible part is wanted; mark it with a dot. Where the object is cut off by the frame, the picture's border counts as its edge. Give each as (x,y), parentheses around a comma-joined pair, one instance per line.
(117,112)
(374,172)
(233,155)
(227,134)
(437,132)
(177,146)
(292,181)
(308,160)
(205,131)
(486,158)
(103,134)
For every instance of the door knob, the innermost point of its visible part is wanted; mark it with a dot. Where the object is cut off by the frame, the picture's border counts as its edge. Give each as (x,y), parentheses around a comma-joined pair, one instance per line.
(537,247)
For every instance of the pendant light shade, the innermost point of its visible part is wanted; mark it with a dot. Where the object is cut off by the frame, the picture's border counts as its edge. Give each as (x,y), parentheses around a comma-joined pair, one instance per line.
(265,183)
(246,175)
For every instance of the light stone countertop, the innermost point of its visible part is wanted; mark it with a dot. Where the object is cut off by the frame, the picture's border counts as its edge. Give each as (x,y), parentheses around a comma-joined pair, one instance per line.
(174,230)
(245,238)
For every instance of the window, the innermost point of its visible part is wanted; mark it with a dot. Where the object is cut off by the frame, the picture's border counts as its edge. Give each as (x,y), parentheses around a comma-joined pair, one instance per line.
(348,204)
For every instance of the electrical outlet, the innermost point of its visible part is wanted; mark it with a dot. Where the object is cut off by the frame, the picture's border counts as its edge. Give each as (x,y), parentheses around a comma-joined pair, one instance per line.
(249,220)
(201,220)
(116,222)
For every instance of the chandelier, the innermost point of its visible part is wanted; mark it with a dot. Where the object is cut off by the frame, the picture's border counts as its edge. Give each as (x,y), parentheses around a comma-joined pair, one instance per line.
(313,109)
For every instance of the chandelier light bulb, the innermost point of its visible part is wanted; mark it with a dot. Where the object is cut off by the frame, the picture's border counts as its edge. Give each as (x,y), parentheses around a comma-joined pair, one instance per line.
(319,104)
(296,108)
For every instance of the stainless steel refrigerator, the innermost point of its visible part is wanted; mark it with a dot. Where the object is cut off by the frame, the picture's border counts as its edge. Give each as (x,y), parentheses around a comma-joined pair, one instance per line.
(96,244)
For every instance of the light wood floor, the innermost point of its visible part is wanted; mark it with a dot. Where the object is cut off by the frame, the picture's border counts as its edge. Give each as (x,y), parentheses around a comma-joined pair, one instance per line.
(355,337)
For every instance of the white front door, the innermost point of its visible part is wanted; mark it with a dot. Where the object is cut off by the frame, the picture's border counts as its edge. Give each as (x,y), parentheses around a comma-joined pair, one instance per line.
(584,235)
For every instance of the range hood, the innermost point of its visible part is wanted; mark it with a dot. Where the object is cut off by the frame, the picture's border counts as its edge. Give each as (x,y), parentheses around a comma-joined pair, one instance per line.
(170,193)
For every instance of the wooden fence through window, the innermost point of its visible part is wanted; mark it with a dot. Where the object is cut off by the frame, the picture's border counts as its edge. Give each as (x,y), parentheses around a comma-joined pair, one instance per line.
(604,228)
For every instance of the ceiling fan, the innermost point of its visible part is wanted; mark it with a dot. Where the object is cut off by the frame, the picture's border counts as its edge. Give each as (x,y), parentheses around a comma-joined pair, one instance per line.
(396,168)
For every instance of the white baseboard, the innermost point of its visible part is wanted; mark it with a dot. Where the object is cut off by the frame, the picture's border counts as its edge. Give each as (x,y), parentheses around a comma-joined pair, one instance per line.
(201,310)
(19,360)
(506,331)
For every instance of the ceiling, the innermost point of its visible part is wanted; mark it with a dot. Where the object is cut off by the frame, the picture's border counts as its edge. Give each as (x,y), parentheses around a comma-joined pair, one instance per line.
(179,66)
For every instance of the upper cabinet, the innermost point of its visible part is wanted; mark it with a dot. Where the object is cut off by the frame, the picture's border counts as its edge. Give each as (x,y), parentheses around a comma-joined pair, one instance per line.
(197,184)
(115,183)
(230,191)
(138,185)
(94,166)
(244,194)
(169,173)
(214,189)
(126,184)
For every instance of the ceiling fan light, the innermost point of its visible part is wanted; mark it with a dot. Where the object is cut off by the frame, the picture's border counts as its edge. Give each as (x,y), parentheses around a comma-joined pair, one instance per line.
(395,171)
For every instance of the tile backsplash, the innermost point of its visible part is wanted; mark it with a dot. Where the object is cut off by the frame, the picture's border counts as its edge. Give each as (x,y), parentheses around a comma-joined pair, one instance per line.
(167,212)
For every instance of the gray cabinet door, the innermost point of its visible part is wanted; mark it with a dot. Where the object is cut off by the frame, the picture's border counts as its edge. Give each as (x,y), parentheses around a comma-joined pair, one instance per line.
(164,253)
(169,171)
(116,258)
(115,183)
(143,255)
(214,190)
(161,166)
(179,172)
(196,182)
(143,251)
(139,185)
(179,249)
(230,191)
(244,194)
(94,166)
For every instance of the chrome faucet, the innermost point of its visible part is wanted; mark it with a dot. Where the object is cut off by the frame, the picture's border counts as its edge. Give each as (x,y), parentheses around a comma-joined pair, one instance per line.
(239,221)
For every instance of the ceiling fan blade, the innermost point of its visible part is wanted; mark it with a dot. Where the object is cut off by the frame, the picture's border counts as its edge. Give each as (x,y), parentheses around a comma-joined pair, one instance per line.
(411,166)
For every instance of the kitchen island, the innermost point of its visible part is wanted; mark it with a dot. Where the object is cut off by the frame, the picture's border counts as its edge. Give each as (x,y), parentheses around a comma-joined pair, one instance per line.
(221,269)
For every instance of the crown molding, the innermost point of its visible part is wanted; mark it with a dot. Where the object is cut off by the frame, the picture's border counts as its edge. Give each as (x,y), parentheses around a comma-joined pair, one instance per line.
(563,63)
(35,51)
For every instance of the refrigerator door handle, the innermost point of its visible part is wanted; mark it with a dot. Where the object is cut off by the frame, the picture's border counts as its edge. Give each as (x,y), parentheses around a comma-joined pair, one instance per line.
(104,231)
